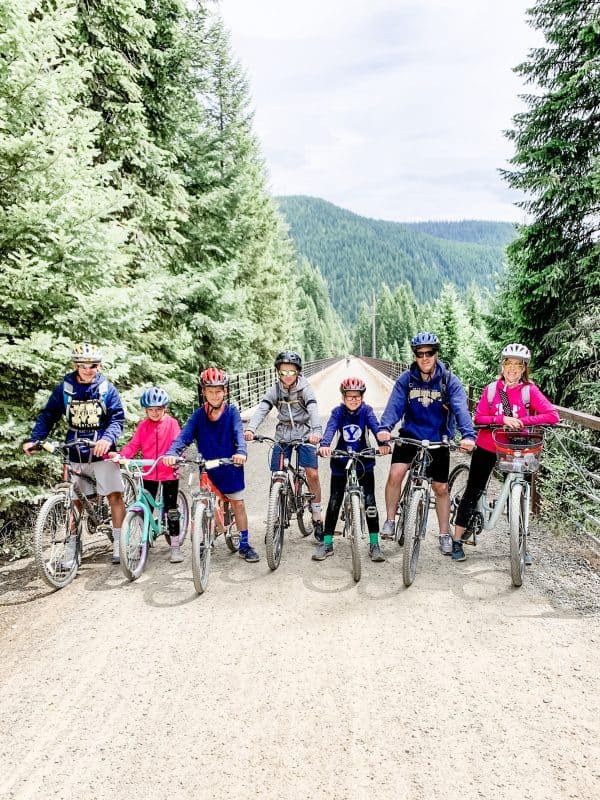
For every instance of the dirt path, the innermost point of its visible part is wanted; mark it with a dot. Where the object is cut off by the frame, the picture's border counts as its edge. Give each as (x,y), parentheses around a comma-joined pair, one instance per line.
(298,683)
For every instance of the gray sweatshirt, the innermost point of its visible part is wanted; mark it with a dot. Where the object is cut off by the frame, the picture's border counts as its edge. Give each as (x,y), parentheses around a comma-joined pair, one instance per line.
(298,415)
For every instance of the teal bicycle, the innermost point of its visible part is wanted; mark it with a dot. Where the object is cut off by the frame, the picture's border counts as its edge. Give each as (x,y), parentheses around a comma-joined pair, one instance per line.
(146,520)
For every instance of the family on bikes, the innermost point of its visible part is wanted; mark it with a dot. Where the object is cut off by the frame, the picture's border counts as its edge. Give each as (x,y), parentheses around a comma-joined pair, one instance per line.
(427,400)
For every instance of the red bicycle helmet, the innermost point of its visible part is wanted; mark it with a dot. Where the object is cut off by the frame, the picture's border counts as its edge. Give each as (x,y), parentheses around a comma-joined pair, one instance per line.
(353,385)
(213,376)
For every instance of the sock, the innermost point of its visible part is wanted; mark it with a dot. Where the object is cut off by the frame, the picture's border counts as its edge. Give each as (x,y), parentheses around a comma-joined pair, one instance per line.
(316,511)
(243,540)
(373,538)
(328,539)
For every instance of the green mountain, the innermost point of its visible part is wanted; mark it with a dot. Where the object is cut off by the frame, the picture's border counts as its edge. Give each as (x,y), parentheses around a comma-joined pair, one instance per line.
(356,255)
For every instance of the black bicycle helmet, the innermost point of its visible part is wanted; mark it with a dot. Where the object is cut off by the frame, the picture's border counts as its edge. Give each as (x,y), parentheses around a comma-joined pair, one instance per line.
(289,357)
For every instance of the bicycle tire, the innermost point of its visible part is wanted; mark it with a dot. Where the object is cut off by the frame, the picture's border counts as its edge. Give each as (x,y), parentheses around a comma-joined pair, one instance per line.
(518,523)
(304,506)
(201,546)
(130,493)
(133,546)
(415,519)
(50,537)
(355,536)
(457,483)
(232,535)
(276,518)
(183,506)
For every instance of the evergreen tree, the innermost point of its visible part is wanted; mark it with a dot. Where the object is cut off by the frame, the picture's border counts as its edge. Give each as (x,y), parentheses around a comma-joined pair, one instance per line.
(552,288)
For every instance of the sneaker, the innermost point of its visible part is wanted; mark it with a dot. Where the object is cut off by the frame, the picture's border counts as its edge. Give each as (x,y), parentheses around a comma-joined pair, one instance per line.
(176,556)
(528,559)
(322,552)
(387,532)
(446,544)
(249,554)
(318,530)
(458,554)
(375,553)
(68,560)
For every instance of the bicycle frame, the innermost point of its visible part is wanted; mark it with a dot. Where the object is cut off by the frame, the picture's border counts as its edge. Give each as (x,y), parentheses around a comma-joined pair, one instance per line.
(491,511)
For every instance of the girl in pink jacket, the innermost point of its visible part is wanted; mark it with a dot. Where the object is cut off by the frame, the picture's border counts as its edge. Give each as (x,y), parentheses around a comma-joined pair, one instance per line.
(513,402)
(153,437)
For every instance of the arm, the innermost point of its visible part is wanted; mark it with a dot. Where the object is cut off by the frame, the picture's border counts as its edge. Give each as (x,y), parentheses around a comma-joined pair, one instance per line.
(50,415)
(484,414)
(134,444)
(115,416)
(264,407)
(316,429)
(545,413)
(241,448)
(331,427)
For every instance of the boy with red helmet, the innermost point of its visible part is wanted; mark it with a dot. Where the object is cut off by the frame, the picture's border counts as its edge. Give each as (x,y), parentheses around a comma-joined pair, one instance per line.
(216,428)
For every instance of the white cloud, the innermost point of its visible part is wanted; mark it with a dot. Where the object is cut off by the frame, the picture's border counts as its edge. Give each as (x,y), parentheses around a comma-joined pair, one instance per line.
(392,109)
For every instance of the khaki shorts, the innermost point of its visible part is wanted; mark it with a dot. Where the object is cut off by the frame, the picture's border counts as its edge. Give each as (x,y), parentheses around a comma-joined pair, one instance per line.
(107,475)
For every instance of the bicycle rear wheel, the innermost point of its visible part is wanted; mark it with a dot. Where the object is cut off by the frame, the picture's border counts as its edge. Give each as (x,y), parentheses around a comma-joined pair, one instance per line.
(518,526)
(183,507)
(57,524)
(201,541)
(232,535)
(134,546)
(414,522)
(457,483)
(355,535)
(276,514)
(303,506)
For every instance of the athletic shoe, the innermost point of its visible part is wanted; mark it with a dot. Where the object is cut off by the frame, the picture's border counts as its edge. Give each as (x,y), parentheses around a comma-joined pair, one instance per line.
(387,532)
(249,554)
(446,544)
(322,552)
(318,530)
(458,554)
(176,556)
(68,560)
(375,553)
(528,559)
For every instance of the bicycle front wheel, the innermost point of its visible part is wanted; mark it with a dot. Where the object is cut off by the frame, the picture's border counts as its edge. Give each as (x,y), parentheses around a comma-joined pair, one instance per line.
(414,521)
(201,542)
(355,535)
(303,506)
(56,543)
(518,526)
(276,514)
(183,507)
(134,545)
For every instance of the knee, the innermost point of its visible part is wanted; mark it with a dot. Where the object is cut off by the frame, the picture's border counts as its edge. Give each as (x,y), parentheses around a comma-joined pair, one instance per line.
(440,489)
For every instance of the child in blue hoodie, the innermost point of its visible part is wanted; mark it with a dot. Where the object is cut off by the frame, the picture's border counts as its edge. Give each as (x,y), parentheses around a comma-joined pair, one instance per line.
(351,420)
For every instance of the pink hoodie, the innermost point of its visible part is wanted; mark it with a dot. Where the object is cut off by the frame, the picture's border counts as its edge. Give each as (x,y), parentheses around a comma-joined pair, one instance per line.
(154,439)
(541,411)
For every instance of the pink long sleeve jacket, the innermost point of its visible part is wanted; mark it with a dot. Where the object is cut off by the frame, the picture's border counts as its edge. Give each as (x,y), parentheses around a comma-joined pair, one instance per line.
(540,412)
(154,439)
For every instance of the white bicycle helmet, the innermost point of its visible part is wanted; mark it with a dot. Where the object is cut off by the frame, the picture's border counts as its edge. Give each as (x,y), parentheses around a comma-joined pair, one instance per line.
(86,352)
(516,350)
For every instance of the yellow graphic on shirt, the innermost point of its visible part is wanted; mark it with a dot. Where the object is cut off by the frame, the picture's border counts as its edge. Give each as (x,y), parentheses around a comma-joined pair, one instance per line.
(425,396)
(85,414)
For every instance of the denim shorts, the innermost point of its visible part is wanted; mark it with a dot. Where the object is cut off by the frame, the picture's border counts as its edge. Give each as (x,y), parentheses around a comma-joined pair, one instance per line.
(307,455)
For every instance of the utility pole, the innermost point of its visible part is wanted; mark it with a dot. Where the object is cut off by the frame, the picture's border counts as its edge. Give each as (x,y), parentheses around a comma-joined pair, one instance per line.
(373,329)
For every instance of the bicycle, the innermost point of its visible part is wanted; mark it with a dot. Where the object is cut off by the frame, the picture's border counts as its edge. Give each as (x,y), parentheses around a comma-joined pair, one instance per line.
(211,516)
(289,494)
(517,456)
(146,519)
(413,507)
(354,514)
(68,513)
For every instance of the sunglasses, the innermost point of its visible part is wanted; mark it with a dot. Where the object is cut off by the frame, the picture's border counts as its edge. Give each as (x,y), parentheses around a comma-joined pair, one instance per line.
(88,366)
(284,373)
(425,354)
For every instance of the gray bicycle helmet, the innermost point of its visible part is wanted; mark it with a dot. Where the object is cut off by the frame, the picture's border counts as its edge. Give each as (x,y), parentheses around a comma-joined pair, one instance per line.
(289,357)
(155,396)
(425,339)
(516,350)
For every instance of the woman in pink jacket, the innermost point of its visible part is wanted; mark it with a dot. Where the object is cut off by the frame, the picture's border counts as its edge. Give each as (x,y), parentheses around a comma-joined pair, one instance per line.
(153,437)
(514,402)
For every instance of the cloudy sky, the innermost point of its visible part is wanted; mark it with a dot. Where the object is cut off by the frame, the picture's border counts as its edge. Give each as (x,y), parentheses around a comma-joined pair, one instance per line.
(391,108)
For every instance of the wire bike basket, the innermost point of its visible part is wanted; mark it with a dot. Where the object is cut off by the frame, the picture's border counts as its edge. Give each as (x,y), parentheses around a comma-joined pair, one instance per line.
(518,451)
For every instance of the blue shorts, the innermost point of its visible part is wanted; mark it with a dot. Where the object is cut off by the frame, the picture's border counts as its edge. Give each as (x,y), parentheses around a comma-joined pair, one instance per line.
(307,455)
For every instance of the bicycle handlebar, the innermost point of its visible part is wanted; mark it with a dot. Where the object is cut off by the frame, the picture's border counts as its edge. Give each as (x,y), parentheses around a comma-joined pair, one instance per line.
(62,447)
(204,463)
(424,444)
(369,452)
(282,442)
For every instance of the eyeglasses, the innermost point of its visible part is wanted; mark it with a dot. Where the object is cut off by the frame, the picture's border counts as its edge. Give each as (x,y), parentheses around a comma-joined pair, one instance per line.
(425,354)
(88,366)
(284,373)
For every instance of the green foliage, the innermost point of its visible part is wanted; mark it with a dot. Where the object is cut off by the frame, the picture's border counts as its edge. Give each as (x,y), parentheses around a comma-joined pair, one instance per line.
(550,297)
(355,253)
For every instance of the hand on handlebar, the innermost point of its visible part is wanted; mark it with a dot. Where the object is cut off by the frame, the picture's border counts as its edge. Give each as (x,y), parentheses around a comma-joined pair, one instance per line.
(170,461)
(29,448)
(238,459)
(385,450)
(324,452)
(384,436)
(314,438)
(248,436)
(101,447)
(466,445)
(512,423)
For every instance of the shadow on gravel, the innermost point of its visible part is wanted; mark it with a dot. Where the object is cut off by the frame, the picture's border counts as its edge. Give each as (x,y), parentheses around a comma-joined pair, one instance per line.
(20,584)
